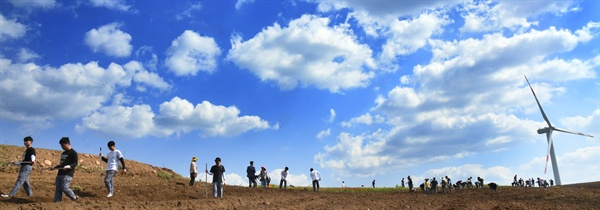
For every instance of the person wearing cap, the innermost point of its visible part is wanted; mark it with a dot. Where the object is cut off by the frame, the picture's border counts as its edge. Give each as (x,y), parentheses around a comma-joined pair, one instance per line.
(27,161)
(263,176)
(68,162)
(283,181)
(217,172)
(251,174)
(112,166)
(193,171)
(316,177)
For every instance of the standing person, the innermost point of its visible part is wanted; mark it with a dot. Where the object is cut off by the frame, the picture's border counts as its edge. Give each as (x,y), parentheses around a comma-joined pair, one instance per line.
(112,166)
(193,171)
(449,184)
(284,174)
(66,169)
(27,161)
(316,177)
(444,184)
(373,183)
(410,184)
(217,171)
(343,184)
(251,174)
(263,176)
(402,182)
(434,184)
(551,183)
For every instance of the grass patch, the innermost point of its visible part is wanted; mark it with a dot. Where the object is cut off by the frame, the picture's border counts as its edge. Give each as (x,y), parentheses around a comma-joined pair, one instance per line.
(163,175)
(77,188)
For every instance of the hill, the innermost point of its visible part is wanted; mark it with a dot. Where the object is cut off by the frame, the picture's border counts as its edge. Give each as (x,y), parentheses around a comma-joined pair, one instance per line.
(150,187)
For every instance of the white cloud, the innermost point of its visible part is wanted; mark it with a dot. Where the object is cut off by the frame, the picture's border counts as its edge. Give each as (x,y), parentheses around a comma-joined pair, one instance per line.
(135,121)
(324,134)
(307,53)
(366,119)
(26,55)
(384,9)
(188,13)
(191,52)
(152,61)
(111,4)
(73,90)
(332,115)
(570,165)
(495,15)
(109,40)
(240,3)
(11,29)
(44,4)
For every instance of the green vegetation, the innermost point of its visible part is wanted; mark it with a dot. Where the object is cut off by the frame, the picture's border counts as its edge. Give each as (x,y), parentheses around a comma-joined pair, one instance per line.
(77,188)
(163,175)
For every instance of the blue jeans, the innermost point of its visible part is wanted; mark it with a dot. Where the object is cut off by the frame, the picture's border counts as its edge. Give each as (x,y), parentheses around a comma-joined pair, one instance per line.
(22,180)
(62,186)
(108,181)
(217,189)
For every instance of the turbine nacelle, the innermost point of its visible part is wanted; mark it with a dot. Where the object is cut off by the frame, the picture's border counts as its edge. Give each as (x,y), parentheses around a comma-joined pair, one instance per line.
(543,130)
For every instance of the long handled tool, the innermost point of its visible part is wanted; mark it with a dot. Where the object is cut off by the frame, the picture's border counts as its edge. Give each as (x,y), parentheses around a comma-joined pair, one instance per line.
(100,167)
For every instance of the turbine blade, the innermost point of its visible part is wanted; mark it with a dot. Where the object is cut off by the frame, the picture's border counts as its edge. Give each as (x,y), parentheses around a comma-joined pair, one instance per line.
(549,137)
(538,103)
(573,132)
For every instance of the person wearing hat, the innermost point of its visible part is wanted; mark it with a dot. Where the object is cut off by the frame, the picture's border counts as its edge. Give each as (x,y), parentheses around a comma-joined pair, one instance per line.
(112,165)
(217,172)
(193,171)
(26,163)
(263,176)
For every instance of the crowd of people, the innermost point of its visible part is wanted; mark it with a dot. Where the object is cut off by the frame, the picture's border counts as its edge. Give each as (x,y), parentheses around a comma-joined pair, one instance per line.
(69,161)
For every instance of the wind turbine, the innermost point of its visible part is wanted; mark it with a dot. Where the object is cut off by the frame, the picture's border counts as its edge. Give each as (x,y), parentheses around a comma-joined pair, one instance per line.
(548,131)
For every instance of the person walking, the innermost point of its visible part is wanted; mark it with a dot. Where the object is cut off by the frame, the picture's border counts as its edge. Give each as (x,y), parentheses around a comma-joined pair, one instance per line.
(251,174)
(283,181)
(402,182)
(68,161)
(316,177)
(444,184)
(26,163)
(193,171)
(449,184)
(112,166)
(217,172)
(410,184)
(373,183)
(263,176)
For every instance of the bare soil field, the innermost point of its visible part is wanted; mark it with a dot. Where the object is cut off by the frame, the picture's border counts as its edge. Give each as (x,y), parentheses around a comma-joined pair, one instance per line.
(150,187)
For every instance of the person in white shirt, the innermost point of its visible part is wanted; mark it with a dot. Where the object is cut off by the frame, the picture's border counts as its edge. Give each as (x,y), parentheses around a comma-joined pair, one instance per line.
(316,177)
(283,181)
(112,166)
(343,184)
(193,171)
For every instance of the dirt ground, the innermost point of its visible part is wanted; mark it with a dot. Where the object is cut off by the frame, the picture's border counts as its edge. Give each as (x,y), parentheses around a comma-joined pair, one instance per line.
(149,187)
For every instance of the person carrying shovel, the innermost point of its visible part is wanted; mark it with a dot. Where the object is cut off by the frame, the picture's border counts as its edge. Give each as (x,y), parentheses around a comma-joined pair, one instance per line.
(26,163)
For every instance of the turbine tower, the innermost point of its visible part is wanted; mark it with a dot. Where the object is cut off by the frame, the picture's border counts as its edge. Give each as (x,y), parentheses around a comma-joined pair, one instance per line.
(548,131)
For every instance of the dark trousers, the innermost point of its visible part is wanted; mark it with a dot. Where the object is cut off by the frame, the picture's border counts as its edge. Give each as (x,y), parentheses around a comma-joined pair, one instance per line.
(251,181)
(192,178)
(315,185)
(284,183)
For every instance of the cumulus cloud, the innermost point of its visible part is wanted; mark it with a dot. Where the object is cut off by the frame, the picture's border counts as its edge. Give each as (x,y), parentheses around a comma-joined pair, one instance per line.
(111,4)
(109,40)
(366,119)
(173,117)
(70,91)
(26,55)
(482,16)
(191,52)
(473,86)
(308,53)
(11,29)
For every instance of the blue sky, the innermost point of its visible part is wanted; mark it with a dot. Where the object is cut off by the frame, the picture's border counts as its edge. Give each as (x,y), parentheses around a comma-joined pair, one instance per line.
(357,90)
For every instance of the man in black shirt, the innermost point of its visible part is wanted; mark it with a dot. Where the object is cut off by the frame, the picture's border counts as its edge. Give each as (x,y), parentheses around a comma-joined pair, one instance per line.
(26,163)
(66,169)
(217,171)
(251,174)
